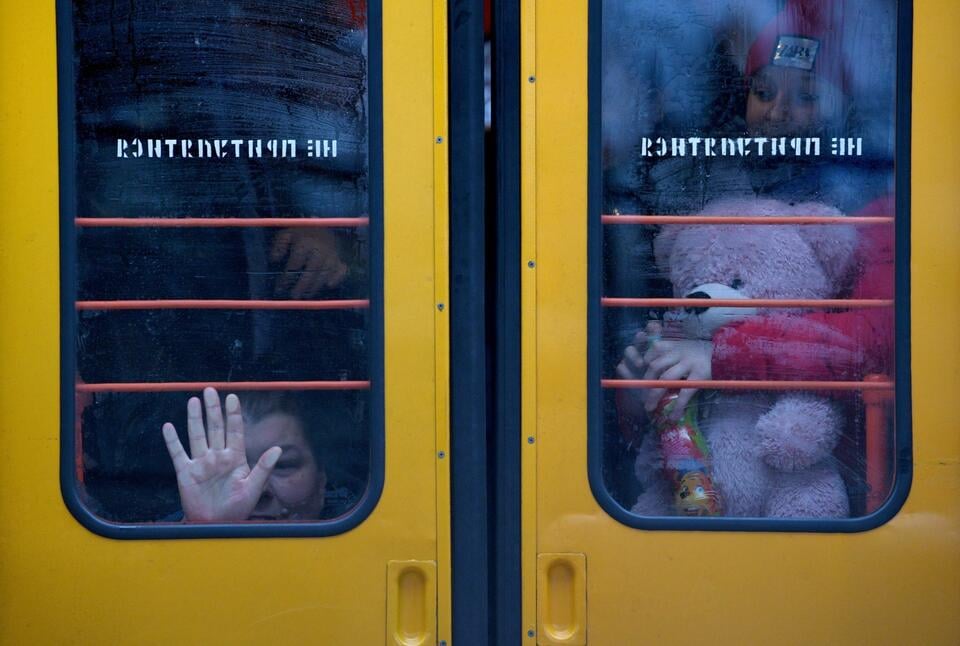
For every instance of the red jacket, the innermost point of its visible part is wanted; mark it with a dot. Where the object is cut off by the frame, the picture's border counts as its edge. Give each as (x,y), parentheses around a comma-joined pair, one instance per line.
(823,345)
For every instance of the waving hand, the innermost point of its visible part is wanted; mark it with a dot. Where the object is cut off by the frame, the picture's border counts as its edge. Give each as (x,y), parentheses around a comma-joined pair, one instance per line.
(216,482)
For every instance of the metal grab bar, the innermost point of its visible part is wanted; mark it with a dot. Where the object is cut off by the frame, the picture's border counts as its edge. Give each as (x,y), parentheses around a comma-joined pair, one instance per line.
(813,303)
(736,384)
(877,456)
(176,223)
(223,304)
(857,220)
(188,386)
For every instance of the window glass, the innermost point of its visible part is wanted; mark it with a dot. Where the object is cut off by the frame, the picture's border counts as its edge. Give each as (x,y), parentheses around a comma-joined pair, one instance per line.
(747,167)
(219,240)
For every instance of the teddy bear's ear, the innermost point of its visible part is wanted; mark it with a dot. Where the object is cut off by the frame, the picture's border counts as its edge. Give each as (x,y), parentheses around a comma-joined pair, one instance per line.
(833,244)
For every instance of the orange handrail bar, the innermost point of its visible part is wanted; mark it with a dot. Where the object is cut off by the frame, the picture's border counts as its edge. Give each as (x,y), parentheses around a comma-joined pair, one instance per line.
(877,455)
(187,386)
(736,384)
(223,304)
(741,219)
(222,222)
(608,301)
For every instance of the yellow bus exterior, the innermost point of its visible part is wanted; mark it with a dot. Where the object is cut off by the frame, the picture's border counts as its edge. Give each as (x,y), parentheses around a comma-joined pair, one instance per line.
(63,584)
(896,584)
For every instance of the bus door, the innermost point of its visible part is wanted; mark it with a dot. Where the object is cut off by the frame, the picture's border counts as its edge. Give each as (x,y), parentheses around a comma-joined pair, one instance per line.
(747,203)
(224,364)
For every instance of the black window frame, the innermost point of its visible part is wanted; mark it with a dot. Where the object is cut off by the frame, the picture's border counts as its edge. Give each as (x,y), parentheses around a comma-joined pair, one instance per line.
(903,442)
(68,315)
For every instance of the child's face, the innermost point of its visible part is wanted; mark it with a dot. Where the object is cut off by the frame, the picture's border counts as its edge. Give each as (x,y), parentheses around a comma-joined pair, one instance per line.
(789,102)
(295,489)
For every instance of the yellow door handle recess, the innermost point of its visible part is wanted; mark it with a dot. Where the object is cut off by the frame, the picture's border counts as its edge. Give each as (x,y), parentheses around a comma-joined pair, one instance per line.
(411,602)
(562,599)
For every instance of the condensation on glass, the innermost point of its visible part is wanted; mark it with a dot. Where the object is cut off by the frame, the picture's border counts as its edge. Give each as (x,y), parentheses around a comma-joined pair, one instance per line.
(197,124)
(754,109)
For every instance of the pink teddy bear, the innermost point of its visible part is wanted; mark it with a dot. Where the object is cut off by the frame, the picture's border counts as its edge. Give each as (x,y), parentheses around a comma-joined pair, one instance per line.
(772,452)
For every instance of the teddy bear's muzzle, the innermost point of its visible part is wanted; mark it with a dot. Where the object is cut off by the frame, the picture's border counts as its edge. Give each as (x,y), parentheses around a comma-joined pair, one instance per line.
(701,322)
(697,311)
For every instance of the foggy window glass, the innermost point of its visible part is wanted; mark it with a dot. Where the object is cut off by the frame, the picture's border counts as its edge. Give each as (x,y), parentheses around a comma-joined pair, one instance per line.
(221,220)
(764,131)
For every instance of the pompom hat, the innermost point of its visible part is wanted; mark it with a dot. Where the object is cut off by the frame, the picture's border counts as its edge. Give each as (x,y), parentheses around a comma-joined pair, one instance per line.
(807,35)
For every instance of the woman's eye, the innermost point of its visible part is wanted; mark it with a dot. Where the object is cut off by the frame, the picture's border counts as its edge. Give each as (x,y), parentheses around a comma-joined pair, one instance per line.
(763,90)
(286,466)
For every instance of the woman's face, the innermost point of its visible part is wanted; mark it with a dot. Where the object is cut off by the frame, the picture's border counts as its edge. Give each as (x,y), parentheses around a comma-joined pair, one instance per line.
(790,102)
(295,489)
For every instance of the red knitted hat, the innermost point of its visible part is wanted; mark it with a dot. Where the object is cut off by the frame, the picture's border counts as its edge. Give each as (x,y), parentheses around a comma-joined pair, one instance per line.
(358,13)
(807,35)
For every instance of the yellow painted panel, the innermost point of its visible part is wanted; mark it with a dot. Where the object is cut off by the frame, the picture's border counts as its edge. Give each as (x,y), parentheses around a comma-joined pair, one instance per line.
(61,584)
(896,584)
(441,261)
(528,320)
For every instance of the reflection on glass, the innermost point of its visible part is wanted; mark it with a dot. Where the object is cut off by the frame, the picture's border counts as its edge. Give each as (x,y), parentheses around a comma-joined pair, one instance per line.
(757,109)
(249,122)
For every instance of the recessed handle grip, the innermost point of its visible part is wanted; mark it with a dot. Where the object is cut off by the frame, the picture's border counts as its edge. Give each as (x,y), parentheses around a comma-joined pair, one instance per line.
(411,603)
(562,599)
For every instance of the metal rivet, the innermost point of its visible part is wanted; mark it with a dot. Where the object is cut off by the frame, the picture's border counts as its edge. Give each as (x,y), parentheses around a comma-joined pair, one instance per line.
(439,140)
(530,440)
(531,264)
(443,642)
(440,306)
(532,79)
(441,454)
(530,633)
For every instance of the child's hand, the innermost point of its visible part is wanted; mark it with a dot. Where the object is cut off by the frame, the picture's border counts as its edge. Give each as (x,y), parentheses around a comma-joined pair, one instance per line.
(631,401)
(313,261)
(670,359)
(216,482)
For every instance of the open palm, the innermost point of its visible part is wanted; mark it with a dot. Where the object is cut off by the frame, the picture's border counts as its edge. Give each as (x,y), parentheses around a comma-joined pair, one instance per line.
(216,482)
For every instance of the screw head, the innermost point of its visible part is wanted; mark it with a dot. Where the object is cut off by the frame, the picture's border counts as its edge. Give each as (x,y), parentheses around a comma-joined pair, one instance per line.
(440,306)
(439,140)
(532,79)
(530,440)
(530,633)
(531,264)
(441,454)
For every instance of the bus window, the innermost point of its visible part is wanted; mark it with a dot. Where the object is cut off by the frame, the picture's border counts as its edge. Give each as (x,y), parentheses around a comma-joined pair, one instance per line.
(743,349)
(220,263)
